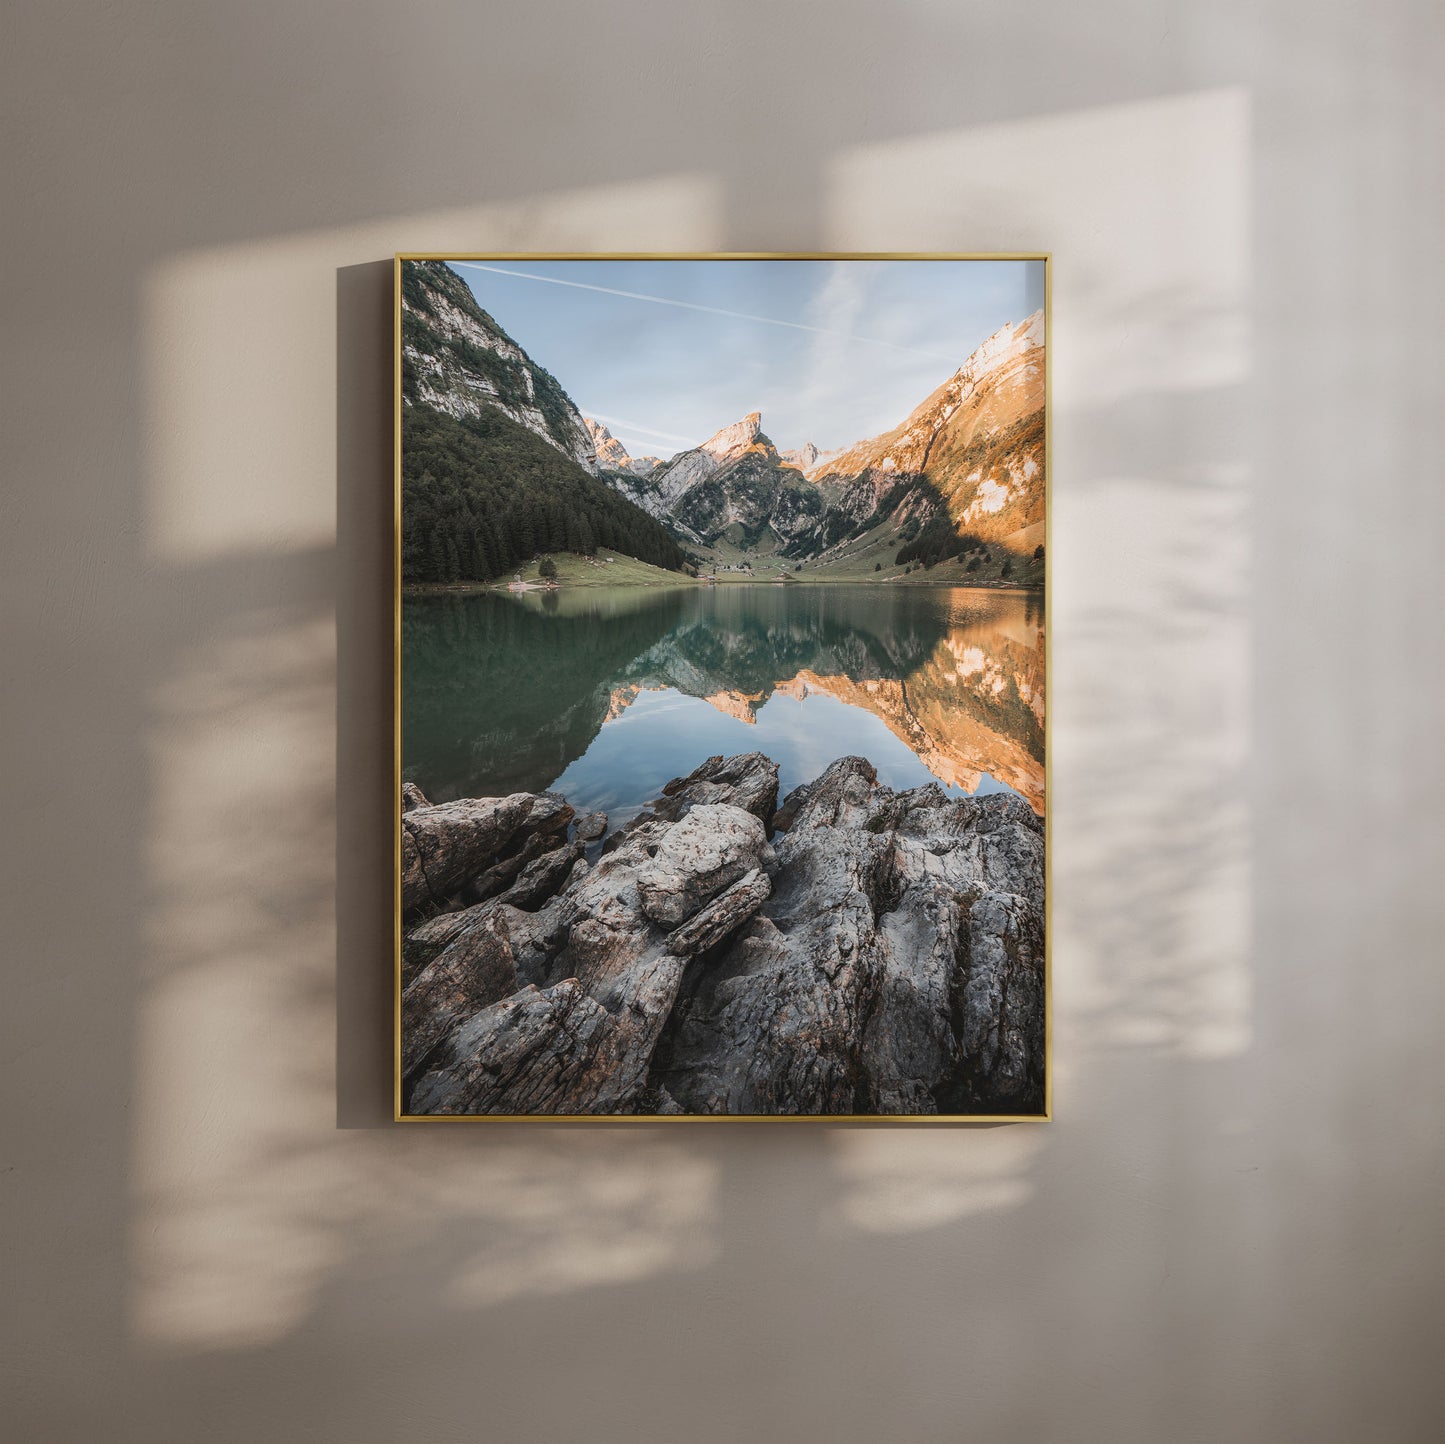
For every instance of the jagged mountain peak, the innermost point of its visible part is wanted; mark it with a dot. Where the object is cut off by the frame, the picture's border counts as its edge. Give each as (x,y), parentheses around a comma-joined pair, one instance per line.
(735,439)
(1006,344)
(612,454)
(734,482)
(610,451)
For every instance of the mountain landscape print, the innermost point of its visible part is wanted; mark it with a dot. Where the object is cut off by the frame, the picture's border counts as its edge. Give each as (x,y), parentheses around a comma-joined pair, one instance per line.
(722,781)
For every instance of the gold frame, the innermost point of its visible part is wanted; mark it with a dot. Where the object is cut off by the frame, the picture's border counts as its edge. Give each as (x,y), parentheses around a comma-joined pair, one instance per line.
(953,1119)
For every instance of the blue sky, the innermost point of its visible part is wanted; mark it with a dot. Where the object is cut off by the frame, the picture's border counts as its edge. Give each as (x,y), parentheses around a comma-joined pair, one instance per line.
(829,351)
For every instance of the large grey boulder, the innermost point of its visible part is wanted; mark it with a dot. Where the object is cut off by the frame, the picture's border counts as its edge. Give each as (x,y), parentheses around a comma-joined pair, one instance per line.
(543,876)
(425,941)
(456,963)
(897,967)
(553,1050)
(748,781)
(447,846)
(476,968)
(603,975)
(724,914)
(708,850)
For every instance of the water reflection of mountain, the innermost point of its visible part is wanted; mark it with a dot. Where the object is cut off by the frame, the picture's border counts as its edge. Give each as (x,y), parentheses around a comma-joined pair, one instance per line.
(503,692)
(500,693)
(744,644)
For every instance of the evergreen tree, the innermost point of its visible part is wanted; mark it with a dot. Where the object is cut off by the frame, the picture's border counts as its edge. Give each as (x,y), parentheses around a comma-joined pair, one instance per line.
(436,557)
(500,494)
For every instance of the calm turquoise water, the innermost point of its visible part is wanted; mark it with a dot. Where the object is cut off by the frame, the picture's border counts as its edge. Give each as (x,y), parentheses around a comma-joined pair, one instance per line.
(605,695)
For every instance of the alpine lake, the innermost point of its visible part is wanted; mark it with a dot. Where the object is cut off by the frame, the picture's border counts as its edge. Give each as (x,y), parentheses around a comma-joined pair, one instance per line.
(606,694)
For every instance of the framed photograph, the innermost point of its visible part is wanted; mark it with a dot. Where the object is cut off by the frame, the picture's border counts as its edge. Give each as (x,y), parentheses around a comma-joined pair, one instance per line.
(722,700)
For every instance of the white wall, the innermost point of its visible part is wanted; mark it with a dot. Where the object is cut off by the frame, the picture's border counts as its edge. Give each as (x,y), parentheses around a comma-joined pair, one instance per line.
(1232,1230)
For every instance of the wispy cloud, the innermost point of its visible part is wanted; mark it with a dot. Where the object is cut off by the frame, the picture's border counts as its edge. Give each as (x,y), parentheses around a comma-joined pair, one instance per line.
(837,308)
(831,376)
(694,306)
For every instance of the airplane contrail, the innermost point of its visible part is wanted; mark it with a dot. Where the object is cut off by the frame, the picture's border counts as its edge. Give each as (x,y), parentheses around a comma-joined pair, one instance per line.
(709,310)
(637,426)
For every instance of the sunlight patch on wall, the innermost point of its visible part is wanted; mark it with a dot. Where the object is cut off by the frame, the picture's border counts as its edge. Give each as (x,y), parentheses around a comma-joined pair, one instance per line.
(912,1179)
(601,1218)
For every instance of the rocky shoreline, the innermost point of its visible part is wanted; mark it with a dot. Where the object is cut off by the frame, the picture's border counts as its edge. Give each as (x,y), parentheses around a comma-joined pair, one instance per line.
(852,951)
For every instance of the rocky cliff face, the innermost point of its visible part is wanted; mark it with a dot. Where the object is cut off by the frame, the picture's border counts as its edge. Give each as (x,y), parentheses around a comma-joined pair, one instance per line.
(975,445)
(1000,382)
(457,360)
(852,951)
(612,454)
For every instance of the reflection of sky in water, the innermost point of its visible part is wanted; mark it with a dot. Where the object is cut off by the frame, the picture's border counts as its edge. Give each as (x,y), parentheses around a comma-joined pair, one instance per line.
(506,694)
(665,734)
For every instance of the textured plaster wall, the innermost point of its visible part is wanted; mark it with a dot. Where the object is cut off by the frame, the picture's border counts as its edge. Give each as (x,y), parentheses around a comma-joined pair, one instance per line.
(1232,1230)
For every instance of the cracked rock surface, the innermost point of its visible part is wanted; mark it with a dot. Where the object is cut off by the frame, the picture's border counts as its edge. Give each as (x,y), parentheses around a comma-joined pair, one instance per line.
(444,848)
(884,954)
